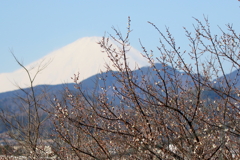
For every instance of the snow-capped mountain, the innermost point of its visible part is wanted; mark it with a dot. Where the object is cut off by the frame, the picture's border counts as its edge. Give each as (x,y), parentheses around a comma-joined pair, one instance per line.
(84,56)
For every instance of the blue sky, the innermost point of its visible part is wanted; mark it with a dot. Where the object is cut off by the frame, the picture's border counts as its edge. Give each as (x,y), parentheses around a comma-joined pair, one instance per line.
(32,29)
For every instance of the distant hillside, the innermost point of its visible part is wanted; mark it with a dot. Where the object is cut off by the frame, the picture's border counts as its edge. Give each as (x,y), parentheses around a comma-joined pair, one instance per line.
(8,100)
(233,80)
(89,83)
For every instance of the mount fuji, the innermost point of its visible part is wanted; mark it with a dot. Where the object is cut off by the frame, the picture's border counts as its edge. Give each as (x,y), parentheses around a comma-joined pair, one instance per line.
(83,56)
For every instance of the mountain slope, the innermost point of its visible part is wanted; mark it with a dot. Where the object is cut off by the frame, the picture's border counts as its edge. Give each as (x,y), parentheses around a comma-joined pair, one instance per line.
(84,56)
(233,80)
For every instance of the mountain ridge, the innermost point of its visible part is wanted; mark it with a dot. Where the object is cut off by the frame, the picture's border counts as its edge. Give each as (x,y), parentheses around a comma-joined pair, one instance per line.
(84,56)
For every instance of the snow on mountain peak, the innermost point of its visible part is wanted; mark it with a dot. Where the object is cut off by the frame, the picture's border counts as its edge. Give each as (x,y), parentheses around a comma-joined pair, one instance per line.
(84,56)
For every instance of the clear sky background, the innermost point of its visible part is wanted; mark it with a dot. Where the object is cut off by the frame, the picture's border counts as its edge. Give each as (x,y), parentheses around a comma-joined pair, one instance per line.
(32,29)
